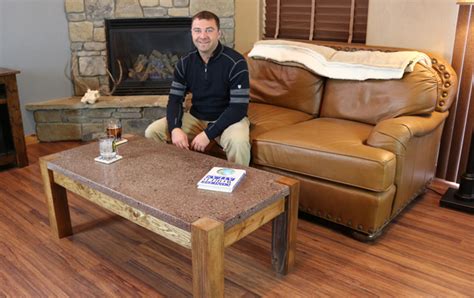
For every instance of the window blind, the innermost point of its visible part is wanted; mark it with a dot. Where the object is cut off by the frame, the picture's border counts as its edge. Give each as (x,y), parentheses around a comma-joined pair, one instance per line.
(332,20)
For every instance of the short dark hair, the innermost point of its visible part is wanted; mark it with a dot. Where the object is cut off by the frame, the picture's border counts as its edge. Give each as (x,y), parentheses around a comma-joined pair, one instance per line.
(207,15)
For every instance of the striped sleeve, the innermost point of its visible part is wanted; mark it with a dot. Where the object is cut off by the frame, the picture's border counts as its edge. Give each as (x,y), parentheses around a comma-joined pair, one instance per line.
(174,110)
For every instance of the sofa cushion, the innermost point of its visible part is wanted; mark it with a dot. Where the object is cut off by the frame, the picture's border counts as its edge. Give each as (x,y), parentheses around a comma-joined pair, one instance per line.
(265,117)
(371,101)
(285,86)
(331,149)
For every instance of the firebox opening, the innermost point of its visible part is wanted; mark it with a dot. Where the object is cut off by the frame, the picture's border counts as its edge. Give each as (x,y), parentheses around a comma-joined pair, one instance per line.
(148,50)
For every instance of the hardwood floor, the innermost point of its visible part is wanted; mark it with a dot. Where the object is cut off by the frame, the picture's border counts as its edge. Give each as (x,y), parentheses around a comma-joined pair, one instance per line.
(426,251)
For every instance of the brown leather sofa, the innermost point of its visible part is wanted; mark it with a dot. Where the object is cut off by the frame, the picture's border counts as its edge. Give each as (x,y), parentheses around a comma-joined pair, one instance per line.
(361,149)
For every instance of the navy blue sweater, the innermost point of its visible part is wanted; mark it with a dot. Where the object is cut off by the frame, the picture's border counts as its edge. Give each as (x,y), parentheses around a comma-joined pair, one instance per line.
(220,90)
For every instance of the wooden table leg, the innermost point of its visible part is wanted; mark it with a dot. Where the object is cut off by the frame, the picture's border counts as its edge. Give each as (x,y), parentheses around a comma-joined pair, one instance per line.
(284,230)
(207,238)
(56,198)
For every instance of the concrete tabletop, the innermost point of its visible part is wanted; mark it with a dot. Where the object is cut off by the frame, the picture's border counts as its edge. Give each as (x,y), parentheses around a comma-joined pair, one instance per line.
(160,179)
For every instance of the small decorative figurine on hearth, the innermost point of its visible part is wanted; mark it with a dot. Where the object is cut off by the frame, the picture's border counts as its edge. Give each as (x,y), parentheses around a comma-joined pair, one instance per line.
(91,96)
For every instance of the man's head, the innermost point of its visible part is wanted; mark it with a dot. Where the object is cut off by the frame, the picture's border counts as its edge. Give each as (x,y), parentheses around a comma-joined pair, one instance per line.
(206,32)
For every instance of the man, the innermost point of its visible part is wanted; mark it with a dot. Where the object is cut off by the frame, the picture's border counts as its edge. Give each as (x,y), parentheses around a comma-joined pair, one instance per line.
(217,77)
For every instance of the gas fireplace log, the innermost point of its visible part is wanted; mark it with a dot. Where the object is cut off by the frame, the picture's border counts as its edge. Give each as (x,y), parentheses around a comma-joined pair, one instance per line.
(168,67)
(156,54)
(156,66)
(140,63)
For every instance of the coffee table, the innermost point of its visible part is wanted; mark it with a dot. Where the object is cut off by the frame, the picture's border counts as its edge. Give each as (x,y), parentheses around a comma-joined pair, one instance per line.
(154,186)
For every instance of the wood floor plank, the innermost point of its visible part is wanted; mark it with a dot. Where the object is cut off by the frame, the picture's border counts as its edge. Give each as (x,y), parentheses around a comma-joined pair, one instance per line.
(426,251)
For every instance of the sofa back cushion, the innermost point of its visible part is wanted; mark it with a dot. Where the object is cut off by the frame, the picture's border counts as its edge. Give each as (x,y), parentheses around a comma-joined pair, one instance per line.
(286,86)
(371,101)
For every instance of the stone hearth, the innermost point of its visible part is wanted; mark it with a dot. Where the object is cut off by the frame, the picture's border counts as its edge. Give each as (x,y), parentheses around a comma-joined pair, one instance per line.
(68,119)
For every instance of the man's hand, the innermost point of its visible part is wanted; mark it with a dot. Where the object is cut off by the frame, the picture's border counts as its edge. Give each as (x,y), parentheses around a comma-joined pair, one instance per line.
(200,142)
(179,138)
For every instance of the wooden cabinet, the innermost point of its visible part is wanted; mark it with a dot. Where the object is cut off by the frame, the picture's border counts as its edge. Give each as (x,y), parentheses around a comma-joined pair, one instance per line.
(12,137)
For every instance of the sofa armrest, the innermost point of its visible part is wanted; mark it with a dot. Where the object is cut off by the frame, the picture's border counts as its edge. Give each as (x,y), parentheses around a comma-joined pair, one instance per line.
(394,134)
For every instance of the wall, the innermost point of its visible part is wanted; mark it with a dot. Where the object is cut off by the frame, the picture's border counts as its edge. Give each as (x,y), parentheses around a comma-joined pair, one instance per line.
(247,23)
(421,24)
(1,30)
(38,46)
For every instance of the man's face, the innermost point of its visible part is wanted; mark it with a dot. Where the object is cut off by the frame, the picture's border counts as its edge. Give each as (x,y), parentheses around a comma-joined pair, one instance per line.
(205,35)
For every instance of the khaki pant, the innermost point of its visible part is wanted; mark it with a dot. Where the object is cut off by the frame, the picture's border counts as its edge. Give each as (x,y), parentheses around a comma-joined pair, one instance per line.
(234,139)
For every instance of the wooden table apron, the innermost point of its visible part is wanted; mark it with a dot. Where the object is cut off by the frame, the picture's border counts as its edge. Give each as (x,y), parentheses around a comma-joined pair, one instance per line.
(207,238)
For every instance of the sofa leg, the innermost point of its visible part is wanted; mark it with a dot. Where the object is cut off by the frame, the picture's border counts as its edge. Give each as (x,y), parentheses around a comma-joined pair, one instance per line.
(366,237)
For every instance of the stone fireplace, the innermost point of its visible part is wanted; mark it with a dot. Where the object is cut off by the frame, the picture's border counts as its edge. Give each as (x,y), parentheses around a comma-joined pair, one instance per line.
(68,118)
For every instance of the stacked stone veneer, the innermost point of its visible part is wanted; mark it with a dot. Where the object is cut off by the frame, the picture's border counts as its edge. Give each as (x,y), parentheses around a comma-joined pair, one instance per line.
(69,119)
(87,30)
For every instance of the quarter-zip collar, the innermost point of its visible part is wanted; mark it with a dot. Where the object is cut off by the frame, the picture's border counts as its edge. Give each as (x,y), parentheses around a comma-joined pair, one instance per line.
(215,55)
(217,52)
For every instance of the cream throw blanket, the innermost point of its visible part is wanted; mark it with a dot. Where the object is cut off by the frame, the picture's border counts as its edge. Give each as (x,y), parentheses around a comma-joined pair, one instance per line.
(327,62)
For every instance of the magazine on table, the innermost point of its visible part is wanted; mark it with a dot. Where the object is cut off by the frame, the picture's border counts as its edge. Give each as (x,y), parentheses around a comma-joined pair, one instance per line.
(221,179)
